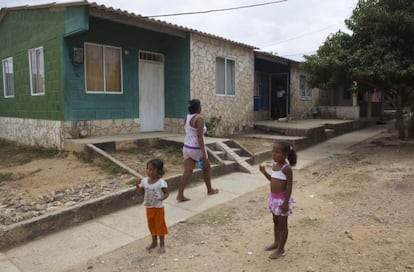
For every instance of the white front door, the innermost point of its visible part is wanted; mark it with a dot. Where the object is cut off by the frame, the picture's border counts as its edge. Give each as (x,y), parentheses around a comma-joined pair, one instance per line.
(151,91)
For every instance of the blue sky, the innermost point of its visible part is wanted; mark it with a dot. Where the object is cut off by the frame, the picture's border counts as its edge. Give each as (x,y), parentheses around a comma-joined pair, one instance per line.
(289,28)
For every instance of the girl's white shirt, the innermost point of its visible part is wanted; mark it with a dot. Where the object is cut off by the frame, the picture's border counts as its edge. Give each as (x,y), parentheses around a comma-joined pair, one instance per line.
(153,192)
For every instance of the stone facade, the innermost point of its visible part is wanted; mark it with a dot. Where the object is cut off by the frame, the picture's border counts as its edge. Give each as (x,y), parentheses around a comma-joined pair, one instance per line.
(51,134)
(174,125)
(94,128)
(232,112)
(33,132)
(301,107)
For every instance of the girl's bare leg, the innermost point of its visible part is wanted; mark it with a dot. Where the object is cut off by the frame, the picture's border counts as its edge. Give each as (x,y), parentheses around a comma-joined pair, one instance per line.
(153,244)
(161,250)
(275,244)
(188,170)
(207,178)
(283,235)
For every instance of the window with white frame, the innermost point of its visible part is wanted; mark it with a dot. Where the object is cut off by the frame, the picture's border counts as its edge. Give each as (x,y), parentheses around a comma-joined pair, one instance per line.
(37,71)
(225,76)
(103,69)
(305,91)
(8,77)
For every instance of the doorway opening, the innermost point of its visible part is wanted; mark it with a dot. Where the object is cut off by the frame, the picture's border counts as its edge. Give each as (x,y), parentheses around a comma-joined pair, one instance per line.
(279,96)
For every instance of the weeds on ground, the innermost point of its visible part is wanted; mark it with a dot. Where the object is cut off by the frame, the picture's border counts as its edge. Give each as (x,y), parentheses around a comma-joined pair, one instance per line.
(12,153)
(111,167)
(309,221)
(105,164)
(8,176)
(213,217)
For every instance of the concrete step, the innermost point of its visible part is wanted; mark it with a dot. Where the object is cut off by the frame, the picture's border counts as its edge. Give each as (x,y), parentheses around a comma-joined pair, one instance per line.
(220,154)
(237,150)
(330,133)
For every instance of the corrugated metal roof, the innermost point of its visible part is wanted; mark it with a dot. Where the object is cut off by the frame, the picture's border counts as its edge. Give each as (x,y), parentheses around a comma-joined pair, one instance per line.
(121,13)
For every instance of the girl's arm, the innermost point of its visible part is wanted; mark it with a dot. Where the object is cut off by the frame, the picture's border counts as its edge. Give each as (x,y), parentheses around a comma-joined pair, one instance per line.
(199,124)
(139,188)
(264,172)
(166,194)
(288,192)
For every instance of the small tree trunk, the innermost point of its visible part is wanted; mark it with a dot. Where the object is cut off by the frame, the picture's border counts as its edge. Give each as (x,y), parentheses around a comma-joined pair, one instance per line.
(411,128)
(399,118)
(369,110)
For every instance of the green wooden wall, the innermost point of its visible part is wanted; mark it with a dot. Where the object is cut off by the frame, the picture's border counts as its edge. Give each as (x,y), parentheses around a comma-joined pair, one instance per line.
(80,105)
(23,30)
(65,97)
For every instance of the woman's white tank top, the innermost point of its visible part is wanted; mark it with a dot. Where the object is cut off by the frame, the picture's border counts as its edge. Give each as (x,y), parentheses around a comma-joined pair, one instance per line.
(191,139)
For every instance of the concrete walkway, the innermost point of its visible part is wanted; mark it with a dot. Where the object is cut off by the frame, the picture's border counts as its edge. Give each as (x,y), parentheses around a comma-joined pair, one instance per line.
(61,250)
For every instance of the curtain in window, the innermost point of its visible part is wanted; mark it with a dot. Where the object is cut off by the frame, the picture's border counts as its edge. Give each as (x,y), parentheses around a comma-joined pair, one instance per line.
(225,76)
(37,70)
(94,68)
(220,76)
(230,78)
(112,69)
(8,77)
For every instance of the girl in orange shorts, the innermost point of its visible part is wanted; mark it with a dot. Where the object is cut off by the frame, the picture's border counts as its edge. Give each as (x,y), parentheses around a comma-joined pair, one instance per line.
(155,190)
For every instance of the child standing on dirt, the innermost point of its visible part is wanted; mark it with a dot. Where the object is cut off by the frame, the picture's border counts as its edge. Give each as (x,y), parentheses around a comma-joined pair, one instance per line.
(280,199)
(155,190)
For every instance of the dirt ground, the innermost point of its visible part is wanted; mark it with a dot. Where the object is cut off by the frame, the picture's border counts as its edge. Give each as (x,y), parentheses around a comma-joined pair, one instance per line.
(34,182)
(352,213)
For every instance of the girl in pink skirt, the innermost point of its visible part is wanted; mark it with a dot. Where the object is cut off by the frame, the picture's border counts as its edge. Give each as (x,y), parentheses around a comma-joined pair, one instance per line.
(280,199)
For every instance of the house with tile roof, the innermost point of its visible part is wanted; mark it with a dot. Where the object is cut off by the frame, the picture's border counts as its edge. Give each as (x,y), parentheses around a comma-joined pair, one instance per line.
(80,69)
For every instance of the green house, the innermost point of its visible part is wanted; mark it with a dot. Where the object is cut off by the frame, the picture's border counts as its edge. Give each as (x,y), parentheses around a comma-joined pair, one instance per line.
(71,70)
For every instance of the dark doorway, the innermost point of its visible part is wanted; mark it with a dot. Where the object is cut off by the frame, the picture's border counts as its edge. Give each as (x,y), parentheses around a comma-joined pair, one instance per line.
(279,95)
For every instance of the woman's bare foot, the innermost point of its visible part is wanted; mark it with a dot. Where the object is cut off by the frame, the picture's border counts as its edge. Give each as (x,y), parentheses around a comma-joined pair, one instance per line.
(151,247)
(272,247)
(277,254)
(213,192)
(161,250)
(182,198)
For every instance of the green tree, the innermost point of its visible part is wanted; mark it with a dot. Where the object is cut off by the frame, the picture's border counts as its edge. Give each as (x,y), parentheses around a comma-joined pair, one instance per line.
(378,54)
(329,68)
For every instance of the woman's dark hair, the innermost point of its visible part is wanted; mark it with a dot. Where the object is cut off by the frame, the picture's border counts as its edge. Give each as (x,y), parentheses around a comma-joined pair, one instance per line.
(193,106)
(158,165)
(290,152)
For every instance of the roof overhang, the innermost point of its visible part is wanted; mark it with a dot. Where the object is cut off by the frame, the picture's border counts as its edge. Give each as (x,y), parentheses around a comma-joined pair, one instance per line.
(273,58)
(124,17)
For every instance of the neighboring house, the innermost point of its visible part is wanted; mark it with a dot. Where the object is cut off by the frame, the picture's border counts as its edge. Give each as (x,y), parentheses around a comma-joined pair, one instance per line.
(339,104)
(273,73)
(222,76)
(81,69)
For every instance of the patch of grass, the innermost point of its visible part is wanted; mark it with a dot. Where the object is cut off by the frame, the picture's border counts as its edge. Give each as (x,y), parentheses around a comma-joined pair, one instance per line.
(111,167)
(309,221)
(35,171)
(132,182)
(12,153)
(103,163)
(6,176)
(213,217)
(84,157)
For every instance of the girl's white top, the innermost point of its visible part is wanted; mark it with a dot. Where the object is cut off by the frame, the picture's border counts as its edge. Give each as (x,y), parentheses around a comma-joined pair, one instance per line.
(191,139)
(153,192)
